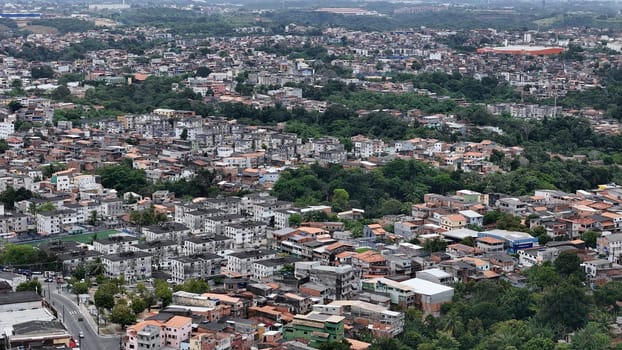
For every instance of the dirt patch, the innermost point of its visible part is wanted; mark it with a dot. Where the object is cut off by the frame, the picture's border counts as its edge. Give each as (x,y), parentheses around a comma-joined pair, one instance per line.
(41,29)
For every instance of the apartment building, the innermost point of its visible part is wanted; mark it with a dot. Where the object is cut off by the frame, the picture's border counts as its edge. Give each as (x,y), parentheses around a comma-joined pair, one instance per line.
(199,266)
(241,263)
(215,244)
(316,327)
(146,335)
(162,252)
(610,246)
(168,231)
(57,221)
(131,265)
(246,234)
(114,244)
(339,281)
(264,270)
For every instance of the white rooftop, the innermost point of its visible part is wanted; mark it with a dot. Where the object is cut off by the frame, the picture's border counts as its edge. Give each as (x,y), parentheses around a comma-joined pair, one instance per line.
(421,286)
(438,273)
(461,233)
(511,235)
(10,318)
(471,214)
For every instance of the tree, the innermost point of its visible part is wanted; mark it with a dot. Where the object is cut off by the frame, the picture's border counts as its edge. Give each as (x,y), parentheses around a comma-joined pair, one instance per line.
(80,287)
(138,304)
(14,106)
(17,85)
(193,285)
(33,285)
(93,218)
(294,220)
(568,264)
(564,307)
(608,295)
(123,178)
(60,93)
(434,245)
(42,72)
(341,200)
(104,296)
(203,72)
(24,255)
(4,146)
(592,337)
(539,343)
(590,238)
(45,207)
(335,345)
(123,315)
(184,134)
(163,292)
(542,276)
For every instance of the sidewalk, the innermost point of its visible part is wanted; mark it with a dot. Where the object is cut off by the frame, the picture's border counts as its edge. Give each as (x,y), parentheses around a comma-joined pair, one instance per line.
(86,315)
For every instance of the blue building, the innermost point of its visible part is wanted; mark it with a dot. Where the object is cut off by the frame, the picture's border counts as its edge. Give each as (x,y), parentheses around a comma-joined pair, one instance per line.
(514,240)
(20,15)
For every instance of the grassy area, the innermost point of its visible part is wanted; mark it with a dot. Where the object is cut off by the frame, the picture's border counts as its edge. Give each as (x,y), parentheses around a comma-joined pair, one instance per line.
(37,29)
(81,238)
(549,20)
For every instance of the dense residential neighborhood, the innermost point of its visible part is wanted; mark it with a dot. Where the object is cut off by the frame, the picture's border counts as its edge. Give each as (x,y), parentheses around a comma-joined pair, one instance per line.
(196,176)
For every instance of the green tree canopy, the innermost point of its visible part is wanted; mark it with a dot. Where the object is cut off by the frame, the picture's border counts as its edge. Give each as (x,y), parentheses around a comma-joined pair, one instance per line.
(194,285)
(123,178)
(33,285)
(163,292)
(123,315)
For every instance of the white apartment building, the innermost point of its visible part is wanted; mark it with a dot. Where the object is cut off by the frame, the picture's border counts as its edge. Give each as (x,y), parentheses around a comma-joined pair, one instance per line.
(199,266)
(132,266)
(610,245)
(56,221)
(6,129)
(242,263)
(114,244)
(216,244)
(246,234)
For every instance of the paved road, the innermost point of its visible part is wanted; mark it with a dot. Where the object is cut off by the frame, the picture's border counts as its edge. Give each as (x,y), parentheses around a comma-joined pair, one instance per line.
(69,313)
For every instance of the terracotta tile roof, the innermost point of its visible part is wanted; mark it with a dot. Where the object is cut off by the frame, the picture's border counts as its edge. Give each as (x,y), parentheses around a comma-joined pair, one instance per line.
(178,322)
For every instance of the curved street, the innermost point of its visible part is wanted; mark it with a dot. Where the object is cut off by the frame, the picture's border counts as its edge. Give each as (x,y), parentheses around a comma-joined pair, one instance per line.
(70,313)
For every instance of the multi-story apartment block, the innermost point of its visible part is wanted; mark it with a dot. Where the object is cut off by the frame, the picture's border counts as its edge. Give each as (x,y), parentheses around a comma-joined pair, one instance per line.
(216,244)
(13,223)
(57,221)
(162,252)
(114,244)
(610,246)
(264,270)
(146,335)
(513,206)
(195,266)
(230,205)
(453,222)
(131,265)
(340,281)
(316,327)
(168,231)
(242,263)
(246,234)
(215,224)
(111,208)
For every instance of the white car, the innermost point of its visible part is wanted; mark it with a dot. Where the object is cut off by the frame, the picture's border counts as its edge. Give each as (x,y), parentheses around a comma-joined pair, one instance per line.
(81,335)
